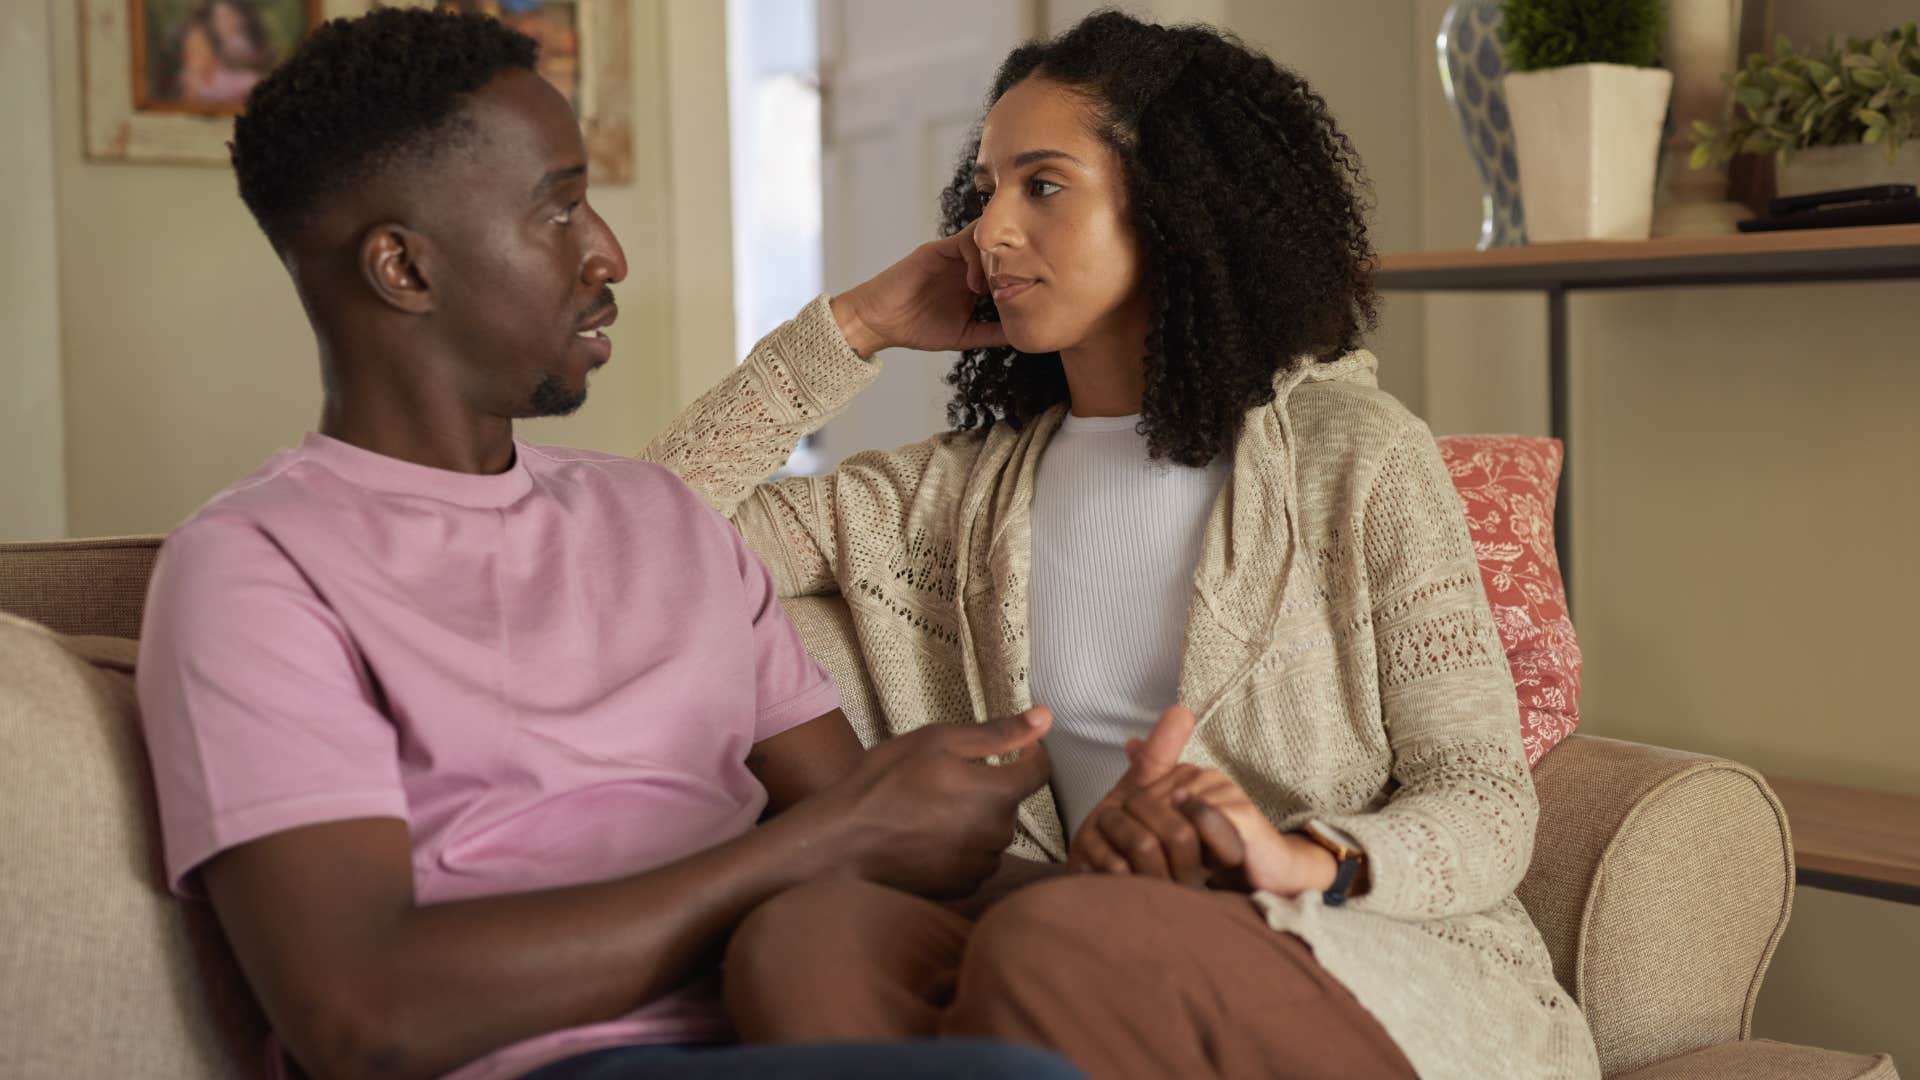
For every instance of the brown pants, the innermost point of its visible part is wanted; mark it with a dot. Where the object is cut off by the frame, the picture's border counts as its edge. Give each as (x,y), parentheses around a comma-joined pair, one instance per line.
(1127,977)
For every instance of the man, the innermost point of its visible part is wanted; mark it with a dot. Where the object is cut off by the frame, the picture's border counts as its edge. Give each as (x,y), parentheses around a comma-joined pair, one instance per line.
(481,749)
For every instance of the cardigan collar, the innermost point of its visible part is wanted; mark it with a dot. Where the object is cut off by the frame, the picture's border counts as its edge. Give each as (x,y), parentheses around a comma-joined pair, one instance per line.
(1240,556)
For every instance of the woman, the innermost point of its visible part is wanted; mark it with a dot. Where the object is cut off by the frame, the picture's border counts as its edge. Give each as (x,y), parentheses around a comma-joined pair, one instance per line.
(1176,481)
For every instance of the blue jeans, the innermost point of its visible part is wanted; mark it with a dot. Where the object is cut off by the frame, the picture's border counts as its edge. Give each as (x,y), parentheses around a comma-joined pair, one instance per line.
(922,1059)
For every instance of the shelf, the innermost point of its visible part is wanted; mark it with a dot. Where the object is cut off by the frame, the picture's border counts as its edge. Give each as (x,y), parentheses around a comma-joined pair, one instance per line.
(1854,839)
(1877,251)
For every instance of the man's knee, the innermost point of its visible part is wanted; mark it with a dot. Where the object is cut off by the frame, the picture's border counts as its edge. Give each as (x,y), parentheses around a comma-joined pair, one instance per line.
(1068,921)
(819,915)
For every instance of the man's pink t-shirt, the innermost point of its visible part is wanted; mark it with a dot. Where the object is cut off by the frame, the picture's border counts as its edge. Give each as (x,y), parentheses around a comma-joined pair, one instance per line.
(552,675)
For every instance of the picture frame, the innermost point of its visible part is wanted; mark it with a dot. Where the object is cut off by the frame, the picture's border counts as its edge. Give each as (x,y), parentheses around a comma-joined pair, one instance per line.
(587,54)
(140,105)
(142,98)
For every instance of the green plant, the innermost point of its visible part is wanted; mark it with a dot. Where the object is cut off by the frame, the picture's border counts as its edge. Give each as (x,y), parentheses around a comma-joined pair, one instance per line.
(1556,33)
(1866,91)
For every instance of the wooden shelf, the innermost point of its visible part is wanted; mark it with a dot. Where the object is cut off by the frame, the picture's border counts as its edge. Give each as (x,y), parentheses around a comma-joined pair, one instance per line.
(1853,839)
(1877,251)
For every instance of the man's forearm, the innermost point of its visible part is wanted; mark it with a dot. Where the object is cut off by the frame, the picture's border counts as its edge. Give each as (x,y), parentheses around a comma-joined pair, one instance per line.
(443,984)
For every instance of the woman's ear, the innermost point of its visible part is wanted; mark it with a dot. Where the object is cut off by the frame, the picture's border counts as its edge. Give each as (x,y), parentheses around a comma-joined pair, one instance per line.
(393,263)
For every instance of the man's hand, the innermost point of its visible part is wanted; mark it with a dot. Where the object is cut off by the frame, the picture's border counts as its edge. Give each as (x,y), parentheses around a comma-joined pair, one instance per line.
(924,301)
(924,813)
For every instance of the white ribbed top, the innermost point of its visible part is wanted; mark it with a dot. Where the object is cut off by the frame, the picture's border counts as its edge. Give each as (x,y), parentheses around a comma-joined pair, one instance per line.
(1116,537)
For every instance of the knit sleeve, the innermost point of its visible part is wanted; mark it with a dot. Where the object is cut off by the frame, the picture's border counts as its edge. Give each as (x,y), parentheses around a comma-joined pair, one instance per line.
(728,441)
(1457,832)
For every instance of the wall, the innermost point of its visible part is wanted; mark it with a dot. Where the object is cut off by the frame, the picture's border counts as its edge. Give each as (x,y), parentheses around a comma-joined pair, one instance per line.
(1743,520)
(1744,460)
(1365,59)
(33,501)
(186,358)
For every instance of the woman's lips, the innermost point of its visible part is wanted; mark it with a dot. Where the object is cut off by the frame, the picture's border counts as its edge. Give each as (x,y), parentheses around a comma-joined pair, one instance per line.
(1006,288)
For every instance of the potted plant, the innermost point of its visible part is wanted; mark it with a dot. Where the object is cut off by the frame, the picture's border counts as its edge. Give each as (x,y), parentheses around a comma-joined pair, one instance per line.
(1841,116)
(1588,106)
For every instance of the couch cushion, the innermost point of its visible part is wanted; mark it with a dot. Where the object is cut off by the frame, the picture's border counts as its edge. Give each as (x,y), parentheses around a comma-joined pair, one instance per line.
(102,973)
(96,586)
(1764,1059)
(1507,486)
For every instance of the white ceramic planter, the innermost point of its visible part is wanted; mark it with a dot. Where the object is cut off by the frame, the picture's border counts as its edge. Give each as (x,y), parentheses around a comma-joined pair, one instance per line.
(1833,168)
(1588,137)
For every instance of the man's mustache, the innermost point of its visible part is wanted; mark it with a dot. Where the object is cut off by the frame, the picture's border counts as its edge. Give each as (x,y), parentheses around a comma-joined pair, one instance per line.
(600,304)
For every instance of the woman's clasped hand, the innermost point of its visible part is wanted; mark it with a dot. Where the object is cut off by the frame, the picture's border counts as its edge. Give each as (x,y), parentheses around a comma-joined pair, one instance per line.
(1191,825)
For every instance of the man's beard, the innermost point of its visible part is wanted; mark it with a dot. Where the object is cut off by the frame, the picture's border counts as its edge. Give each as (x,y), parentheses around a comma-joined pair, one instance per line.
(553,398)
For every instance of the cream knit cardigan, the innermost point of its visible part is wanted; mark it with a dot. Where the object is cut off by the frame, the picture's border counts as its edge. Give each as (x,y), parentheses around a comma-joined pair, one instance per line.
(1340,655)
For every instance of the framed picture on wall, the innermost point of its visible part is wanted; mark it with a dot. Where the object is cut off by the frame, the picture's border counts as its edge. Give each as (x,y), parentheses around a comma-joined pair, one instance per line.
(202,56)
(164,78)
(586,53)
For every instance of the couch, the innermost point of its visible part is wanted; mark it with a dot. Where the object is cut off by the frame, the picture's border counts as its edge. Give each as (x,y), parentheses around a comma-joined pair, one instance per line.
(1661,880)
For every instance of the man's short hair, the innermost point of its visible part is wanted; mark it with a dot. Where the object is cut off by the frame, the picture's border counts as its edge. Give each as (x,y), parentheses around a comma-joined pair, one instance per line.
(358,97)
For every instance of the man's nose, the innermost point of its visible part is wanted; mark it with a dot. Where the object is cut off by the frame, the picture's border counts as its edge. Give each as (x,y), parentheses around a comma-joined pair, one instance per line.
(606,262)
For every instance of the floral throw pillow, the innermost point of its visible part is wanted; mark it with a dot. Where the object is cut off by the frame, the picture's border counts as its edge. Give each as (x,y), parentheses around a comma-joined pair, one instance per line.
(1506,485)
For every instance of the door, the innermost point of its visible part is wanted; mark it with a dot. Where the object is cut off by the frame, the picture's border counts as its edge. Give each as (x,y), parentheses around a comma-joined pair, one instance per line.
(902,84)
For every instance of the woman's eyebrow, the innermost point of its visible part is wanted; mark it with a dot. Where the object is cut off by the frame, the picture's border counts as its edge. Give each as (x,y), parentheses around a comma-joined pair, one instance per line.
(1028,157)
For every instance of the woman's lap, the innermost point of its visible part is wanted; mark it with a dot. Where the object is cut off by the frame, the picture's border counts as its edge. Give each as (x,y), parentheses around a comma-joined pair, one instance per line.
(1125,976)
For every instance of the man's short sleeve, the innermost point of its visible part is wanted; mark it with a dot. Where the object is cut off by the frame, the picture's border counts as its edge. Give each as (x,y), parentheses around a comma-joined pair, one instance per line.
(792,687)
(259,714)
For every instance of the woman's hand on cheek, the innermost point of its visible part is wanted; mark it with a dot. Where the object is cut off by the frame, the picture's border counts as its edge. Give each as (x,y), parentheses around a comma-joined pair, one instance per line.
(924,301)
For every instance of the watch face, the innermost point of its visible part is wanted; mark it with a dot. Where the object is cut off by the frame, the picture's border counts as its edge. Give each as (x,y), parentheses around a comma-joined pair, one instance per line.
(1335,835)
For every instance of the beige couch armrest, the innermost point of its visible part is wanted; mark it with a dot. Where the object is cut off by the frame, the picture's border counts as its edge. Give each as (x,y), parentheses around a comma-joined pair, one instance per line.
(1661,881)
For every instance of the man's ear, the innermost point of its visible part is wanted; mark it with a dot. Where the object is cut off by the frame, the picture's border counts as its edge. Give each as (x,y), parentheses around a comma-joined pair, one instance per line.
(393,262)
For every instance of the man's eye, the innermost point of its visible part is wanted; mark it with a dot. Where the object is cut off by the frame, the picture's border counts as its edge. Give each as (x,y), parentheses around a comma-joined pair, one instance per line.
(1040,189)
(565,217)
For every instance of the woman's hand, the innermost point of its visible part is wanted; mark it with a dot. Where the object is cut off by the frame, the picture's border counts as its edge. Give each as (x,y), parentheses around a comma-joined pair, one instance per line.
(1244,850)
(1191,825)
(1108,839)
(924,301)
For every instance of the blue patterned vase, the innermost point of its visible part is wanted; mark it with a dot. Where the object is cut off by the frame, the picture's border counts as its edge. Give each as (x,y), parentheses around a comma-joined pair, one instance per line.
(1472,64)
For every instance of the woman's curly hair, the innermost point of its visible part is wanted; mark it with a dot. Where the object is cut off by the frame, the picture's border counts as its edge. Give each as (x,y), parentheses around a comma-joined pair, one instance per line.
(1250,207)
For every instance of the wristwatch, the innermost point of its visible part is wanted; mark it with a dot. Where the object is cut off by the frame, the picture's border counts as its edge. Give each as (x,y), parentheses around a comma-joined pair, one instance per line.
(1346,853)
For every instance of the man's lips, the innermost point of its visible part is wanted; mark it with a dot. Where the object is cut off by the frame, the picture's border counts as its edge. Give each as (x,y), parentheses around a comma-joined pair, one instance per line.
(1007,286)
(604,317)
(589,334)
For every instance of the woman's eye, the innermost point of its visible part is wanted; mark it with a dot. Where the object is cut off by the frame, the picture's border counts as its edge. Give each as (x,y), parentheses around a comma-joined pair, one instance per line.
(1040,189)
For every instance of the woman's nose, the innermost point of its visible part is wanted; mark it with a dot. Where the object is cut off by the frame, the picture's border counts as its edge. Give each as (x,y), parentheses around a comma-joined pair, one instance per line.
(996,228)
